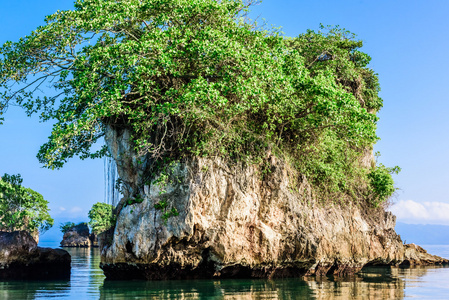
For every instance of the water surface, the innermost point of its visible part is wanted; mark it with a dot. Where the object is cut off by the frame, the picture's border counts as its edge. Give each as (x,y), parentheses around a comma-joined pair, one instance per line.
(88,282)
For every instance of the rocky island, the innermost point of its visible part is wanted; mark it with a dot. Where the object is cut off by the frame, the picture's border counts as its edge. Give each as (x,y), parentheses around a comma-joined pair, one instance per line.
(78,236)
(240,152)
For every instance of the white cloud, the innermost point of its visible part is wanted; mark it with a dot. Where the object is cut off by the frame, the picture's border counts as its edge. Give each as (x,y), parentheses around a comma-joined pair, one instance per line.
(67,212)
(76,209)
(409,211)
(76,212)
(56,211)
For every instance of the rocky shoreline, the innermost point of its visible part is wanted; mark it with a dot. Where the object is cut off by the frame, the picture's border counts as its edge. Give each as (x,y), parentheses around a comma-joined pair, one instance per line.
(416,256)
(21,258)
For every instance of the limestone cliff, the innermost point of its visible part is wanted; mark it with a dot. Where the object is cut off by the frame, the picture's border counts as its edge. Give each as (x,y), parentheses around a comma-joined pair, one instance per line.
(236,222)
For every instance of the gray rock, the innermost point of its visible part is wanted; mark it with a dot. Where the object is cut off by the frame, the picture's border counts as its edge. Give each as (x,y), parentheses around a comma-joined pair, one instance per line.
(21,258)
(79,236)
(416,255)
(237,221)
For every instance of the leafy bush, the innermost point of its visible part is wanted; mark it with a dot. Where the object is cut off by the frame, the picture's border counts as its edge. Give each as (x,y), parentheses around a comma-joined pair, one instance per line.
(81,227)
(22,208)
(101,217)
(67,226)
(382,183)
(333,168)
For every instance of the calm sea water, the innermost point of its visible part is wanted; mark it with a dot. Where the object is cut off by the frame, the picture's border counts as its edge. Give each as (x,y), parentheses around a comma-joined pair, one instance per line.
(87,282)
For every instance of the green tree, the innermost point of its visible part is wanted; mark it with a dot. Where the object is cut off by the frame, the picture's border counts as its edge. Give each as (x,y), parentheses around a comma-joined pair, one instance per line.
(22,208)
(194,77)
(67,226)
(101,217)
(381,182)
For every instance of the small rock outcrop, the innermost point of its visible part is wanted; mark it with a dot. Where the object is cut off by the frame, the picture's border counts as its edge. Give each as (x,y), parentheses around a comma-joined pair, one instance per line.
(236,221)
(79,236)
(21,258)
(416,255)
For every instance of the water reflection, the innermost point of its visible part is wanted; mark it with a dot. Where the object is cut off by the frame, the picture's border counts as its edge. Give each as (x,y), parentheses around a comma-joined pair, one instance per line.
(85,280)
(31,289)
(371,283)
(86,277)
(425,282)
(88,282)
(206,289)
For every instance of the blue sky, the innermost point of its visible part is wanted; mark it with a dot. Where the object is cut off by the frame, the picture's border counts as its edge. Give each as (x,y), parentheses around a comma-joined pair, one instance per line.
(408,41)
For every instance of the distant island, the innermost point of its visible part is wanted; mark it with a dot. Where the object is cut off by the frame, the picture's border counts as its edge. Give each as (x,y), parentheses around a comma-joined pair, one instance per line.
(79,235)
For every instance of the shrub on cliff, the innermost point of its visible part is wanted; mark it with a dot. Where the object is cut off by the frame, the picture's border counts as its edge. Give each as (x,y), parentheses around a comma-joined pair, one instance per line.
(101,217)
(195,77)
(22,208)
(67,226)
(81,228)
(382,183)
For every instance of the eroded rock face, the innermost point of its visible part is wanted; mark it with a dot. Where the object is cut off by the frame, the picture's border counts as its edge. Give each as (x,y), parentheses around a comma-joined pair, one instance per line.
(234,221)
(21,258)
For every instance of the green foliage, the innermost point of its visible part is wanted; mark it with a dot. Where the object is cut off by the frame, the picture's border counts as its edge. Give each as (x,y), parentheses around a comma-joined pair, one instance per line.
(165,175)
(22,208)
(101,217)
(335,50)
(164,169)
(171,213)
(131,201)
(182,75)
(193,77)
(382,183)
(67,226)
(162,205)
(334,167)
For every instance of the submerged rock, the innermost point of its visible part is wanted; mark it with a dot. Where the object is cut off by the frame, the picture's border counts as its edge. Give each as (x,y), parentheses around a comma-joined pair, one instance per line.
(79,236)
(21,258)
(238,221)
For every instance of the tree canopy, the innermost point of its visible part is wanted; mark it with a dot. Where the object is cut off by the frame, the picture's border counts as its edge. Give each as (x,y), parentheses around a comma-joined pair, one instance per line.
(194,77)
(101,217)
(22,208)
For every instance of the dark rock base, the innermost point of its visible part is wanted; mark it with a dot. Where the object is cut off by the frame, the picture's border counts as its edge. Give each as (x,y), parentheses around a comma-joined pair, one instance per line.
(42,264)
(125,271)
(20,258)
